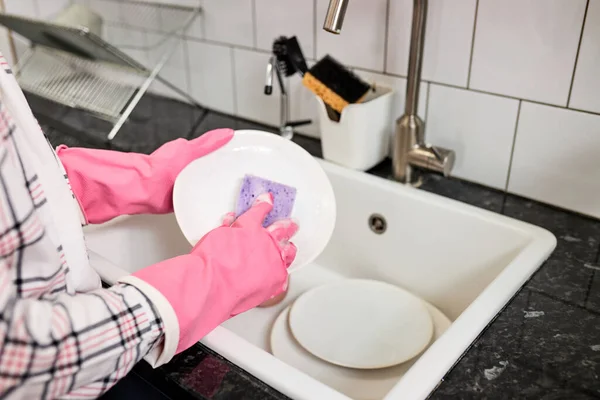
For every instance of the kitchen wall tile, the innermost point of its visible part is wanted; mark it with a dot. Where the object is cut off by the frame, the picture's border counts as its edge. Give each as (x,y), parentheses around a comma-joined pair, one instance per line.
(124,37)
(5,47)
(26,8)
(527,48)
(49,9)
(251,102)
(140,16)
(523,49)
(175,71)
(109,10)
(196,29)
(211,75)
(22,45)
(285,17)
(190,3)
(173,19)
(303,105)
(448,36)
(229,21)
(399,86)
(586,85)
(556,158)
(130,41)
(479,127)
(362,41)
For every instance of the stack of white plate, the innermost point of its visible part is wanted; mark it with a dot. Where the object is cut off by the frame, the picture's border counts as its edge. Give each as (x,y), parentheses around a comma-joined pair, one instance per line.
(356,336)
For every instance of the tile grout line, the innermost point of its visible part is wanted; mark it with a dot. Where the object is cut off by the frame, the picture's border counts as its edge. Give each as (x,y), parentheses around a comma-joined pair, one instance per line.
(512,150)
(427,107)
(227,44)
(387,33)
(587,5)
(472,44)
(431,82)
(510,97)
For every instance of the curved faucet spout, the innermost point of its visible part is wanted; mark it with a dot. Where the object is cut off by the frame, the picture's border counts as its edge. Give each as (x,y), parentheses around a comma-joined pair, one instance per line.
(334,19)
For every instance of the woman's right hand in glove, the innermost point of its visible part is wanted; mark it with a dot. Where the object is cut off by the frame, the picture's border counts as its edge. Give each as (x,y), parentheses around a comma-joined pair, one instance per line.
(232,269)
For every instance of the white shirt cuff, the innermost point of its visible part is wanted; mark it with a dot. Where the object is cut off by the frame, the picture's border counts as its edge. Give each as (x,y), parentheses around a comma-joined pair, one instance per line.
(160,355)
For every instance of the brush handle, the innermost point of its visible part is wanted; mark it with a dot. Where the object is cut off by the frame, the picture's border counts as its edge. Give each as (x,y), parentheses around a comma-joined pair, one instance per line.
(301,122)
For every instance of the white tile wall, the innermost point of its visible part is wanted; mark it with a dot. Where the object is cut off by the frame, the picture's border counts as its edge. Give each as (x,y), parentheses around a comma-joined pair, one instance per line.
(362,43)
(109,10)
(449,32)
(399,86)
(27,8)
(285,17)
(212,78)
(586,86)
(251,103)
(303,106)
(5,47)
(482,57)
(50,9)
(527,48)
(139,16)
(229,21)
(556,158)
(478,126)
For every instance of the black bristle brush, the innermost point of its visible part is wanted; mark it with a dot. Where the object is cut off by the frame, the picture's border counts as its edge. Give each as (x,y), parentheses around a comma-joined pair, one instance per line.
(295,55)
(290,59)
(335,84)
(285,66)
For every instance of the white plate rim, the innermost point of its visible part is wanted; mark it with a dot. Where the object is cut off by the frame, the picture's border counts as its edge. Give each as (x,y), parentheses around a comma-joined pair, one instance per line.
(443,325)
(305,295)
(178,187)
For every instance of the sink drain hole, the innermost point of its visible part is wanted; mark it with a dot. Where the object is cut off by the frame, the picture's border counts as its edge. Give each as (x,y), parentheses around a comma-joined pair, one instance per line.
(377,223)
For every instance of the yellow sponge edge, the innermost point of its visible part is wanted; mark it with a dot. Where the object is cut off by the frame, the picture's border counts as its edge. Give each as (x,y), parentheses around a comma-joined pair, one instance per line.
(330,98)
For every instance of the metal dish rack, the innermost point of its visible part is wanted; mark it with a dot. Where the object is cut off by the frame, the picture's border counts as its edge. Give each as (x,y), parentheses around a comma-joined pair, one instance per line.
(73,66)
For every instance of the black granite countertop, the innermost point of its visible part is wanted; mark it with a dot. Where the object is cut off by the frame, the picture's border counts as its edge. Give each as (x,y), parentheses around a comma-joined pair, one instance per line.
(544,345)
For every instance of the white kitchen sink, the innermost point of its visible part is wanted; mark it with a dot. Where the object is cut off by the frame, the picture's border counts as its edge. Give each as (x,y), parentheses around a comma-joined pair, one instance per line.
(466,261)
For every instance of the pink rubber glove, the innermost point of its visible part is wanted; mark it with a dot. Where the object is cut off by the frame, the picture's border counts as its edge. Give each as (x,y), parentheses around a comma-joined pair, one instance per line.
(231,269)
(111,183)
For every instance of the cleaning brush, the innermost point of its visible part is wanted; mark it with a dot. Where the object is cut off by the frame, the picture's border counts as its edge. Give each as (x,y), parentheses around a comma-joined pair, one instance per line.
(295,55)
(283,61)
(335,84)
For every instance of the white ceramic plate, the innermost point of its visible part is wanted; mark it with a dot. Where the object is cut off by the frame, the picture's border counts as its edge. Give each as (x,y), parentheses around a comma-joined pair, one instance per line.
(358,384)
(208,188)
(359,323)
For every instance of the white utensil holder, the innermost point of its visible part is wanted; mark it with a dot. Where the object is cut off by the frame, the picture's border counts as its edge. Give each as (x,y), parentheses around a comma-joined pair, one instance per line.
(361,138)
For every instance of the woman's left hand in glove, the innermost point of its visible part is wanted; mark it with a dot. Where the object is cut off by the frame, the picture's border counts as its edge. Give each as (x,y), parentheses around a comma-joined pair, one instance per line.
(110,183)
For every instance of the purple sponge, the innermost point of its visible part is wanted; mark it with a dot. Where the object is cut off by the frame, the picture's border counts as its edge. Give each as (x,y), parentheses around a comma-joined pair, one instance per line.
(283,197)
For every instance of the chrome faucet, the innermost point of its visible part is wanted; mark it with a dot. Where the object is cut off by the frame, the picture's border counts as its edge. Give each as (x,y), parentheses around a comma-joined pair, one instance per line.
(286,127)
(410,149)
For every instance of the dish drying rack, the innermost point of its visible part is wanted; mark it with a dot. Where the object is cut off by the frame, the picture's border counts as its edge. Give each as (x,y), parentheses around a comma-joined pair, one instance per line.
(75,66)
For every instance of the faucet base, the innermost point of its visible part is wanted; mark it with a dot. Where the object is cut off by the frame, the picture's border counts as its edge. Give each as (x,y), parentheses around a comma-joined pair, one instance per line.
(408,131)
(411,151)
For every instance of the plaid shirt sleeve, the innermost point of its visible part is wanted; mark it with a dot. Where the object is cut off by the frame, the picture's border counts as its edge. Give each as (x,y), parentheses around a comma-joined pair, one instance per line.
(54,343)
